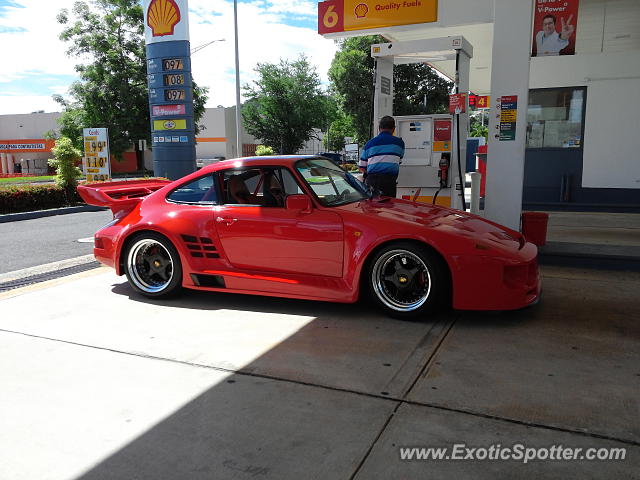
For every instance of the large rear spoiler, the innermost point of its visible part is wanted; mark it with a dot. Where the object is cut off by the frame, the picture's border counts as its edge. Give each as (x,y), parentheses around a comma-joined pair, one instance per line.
(119,196)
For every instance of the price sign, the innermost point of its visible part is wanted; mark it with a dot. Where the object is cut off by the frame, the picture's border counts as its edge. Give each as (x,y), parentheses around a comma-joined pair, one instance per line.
(172,79)
(172,64)
(95,162)
(171,95)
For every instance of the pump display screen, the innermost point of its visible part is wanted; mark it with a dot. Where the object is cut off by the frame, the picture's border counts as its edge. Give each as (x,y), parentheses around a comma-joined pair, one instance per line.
(172,79)
(174,94)
(172,64)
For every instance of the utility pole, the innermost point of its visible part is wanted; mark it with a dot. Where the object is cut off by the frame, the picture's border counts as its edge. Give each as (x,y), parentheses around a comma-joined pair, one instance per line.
(238,126)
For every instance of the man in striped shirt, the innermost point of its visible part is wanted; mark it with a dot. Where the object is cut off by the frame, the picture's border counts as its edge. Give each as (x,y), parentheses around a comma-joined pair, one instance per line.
(380,159)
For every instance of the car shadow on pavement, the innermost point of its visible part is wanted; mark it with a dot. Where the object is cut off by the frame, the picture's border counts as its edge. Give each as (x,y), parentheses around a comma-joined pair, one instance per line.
(202,300)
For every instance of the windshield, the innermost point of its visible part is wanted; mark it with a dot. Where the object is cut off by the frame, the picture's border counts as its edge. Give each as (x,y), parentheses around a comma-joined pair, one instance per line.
(332,185)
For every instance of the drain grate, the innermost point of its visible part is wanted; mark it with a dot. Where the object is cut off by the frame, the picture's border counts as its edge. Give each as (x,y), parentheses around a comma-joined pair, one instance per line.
(52,275)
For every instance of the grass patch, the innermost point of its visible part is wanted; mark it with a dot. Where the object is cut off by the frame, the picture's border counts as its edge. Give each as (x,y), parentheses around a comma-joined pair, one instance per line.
(11,180)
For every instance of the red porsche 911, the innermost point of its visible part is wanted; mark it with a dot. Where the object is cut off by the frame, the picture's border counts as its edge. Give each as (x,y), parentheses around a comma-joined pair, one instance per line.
(301,227)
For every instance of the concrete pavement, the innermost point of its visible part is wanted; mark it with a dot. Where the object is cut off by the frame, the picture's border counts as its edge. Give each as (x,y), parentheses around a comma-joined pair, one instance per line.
(100,383)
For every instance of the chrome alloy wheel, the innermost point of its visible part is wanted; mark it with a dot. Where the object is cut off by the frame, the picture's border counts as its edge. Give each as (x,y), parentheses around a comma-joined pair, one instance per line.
(401,280)
(150,265)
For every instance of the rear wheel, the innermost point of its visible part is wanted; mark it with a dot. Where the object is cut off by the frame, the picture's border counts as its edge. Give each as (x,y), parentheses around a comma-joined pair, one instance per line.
(407,280)
(152,265)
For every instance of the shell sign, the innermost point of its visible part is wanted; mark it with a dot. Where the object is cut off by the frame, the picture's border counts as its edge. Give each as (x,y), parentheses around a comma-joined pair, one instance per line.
(335,16)
(166,20)
(162,17)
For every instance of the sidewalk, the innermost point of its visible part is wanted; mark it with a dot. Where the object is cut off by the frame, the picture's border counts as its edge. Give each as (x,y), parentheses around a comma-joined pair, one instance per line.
(610,240)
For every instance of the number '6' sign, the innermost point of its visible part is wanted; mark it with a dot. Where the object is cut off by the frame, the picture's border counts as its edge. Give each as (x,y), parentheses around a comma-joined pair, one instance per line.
(331,16)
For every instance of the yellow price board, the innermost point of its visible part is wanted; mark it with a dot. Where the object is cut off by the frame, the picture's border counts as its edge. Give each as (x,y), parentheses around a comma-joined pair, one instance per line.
(96,161)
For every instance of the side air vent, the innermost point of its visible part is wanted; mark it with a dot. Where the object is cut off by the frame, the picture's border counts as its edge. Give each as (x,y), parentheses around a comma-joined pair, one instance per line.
(214,281)
(189,238)
(200,247)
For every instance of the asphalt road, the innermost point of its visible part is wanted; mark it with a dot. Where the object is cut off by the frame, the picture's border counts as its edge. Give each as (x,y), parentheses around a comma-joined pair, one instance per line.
(29,243)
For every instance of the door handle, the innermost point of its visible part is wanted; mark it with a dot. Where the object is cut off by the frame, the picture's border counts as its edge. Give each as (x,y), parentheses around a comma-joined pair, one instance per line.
(226,220)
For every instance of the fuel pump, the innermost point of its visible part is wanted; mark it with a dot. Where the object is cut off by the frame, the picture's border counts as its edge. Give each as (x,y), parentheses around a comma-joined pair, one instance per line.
(432,170)
(426,166)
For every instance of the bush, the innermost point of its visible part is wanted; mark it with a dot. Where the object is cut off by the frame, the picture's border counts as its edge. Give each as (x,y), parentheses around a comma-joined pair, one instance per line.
(262,150)
(27,198)
(65,158)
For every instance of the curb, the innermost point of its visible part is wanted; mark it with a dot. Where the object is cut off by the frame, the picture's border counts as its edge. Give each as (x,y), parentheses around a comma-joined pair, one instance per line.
(16,217)
(603,257)
(48,271)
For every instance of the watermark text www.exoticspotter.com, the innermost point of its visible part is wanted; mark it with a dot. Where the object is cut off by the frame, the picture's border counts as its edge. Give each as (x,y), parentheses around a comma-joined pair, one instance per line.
(517,452)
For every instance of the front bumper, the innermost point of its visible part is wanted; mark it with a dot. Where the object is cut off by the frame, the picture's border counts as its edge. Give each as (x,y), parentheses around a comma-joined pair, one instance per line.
(496,283)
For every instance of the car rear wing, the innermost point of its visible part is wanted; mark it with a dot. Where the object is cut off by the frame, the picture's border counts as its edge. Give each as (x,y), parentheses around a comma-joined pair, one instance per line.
(120,197)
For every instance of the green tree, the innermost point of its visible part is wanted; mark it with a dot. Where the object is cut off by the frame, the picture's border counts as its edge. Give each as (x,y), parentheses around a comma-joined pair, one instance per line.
(351,76)
(418,89)
(340,128)
(65,157)
(112,91)
(284,104)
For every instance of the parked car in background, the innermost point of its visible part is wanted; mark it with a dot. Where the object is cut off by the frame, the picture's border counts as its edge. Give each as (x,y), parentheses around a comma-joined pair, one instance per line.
(203,162)
(334,157)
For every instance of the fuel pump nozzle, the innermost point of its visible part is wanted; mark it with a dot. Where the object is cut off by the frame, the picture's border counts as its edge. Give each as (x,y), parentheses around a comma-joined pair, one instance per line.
(443,174)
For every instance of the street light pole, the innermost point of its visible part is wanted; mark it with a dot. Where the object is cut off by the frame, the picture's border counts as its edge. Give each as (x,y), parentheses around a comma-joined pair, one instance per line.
(238,131)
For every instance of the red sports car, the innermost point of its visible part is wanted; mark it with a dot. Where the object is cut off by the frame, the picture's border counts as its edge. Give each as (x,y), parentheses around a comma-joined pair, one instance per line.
(301,227)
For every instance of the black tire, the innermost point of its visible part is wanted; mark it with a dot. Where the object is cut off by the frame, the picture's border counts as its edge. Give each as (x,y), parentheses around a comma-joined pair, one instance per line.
(152,265)
(408,281)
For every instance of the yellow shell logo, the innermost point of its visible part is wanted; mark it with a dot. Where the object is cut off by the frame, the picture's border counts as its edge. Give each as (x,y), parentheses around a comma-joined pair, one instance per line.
(361,10)
(162,17)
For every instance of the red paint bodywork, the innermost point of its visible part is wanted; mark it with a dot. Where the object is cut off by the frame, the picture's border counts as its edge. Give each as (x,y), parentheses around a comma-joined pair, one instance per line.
(318,254)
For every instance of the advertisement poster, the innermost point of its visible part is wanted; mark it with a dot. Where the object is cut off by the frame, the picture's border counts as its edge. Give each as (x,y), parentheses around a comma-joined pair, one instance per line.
(554,28)
(457,103)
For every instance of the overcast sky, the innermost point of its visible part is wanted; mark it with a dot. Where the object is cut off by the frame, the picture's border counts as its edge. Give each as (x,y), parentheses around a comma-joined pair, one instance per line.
(34,64)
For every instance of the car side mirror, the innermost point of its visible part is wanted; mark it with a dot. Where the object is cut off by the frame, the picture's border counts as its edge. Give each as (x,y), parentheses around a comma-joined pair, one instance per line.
(299,202)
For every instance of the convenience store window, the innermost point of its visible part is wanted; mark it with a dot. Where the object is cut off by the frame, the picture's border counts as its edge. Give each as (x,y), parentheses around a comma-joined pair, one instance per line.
(555,117)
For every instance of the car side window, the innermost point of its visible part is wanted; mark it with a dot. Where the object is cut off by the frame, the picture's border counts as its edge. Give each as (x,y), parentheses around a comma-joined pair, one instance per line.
(200,191)
(264,186)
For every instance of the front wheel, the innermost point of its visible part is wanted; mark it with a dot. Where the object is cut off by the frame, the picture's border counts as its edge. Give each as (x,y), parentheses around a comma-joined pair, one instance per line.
(407,280)
(153,265)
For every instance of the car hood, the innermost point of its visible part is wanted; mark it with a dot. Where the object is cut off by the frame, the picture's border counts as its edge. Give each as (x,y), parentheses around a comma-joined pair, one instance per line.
(441,219)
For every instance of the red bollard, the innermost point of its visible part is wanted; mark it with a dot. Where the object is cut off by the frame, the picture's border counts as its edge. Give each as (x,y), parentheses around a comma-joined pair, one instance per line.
(534,227)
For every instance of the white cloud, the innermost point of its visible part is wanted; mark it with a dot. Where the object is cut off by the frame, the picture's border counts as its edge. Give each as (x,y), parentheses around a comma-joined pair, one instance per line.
(264,36)
(36,48)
